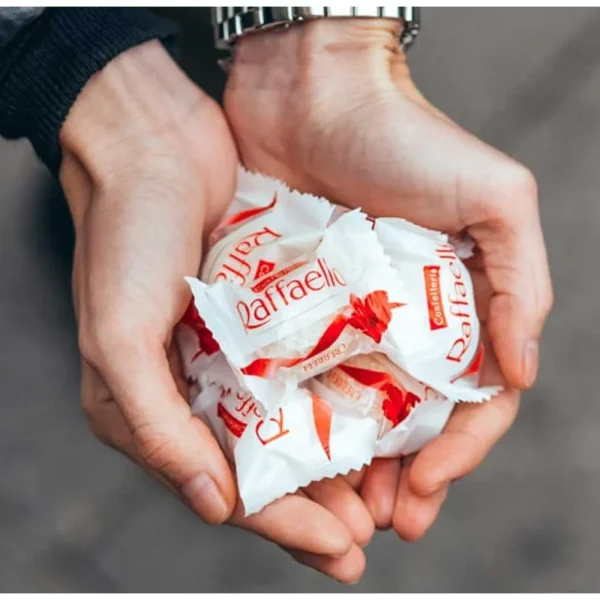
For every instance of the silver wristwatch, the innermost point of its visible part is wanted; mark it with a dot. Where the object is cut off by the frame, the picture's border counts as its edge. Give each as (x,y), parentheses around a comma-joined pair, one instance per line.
(232,22)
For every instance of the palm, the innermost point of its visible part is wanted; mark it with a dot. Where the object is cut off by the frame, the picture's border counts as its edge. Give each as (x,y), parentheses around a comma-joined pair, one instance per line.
(426,169)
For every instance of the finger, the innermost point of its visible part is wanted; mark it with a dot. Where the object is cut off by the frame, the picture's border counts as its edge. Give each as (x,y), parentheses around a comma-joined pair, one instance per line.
(354,478)
(516,264)
(337,496)
(467,438)
(414,515)
(167,438)
(379,490)
(108,424)
(103,415)
(346,569)
(298,523)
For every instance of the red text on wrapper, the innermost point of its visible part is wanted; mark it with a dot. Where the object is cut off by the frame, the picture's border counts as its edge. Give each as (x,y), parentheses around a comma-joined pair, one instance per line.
(437,317)
(283,292)
(266,431)
(331,354)
(274,429)
(246,405)
(236,266)
(459,306)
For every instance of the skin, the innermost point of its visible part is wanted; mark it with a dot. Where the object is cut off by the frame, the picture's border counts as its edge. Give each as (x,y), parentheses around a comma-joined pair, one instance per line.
(330,107)
(149,166)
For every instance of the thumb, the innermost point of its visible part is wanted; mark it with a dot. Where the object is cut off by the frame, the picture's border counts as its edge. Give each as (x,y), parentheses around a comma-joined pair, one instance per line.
(515,262)
(167,439)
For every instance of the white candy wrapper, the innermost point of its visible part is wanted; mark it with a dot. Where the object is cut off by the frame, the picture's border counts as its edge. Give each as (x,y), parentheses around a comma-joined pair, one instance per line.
(464,245)
(333,303)
(197,347)
(266,227)
(436,338)
(408,413)
(321,338)
(339,423)
(301,441)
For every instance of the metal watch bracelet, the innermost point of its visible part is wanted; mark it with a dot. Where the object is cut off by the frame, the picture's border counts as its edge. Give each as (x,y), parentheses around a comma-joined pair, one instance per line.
(230,23)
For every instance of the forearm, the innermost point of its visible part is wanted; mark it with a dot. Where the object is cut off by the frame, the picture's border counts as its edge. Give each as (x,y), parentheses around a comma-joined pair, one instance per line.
(47,63)
(142,118)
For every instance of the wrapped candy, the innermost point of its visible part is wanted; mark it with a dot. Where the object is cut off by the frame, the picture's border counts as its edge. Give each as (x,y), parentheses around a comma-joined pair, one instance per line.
(408,412)
(319,338)
(322,308)
(265,228)
(436,338)
(301,440)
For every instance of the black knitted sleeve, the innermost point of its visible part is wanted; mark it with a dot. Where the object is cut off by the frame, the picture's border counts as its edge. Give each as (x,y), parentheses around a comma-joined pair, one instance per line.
(46,65)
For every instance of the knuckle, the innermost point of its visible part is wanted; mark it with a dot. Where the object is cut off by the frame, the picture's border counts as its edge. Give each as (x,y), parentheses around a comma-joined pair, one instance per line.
(515,190)
(104,337)
(156,449)
(519,180)
(524,182)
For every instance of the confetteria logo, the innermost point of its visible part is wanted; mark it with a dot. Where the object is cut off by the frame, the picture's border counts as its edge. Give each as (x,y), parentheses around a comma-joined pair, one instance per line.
(437,317)
(283,292)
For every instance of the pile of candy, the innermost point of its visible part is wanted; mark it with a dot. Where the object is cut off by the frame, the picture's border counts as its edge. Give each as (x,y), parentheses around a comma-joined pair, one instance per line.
(320,337)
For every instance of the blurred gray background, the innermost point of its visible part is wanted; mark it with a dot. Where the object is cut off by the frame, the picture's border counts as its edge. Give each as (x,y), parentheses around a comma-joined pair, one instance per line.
(75,516)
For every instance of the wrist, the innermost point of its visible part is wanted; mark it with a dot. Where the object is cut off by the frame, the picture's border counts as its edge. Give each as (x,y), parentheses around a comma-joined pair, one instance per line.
(131,109)
(298,82)
(319,39)
(142,120)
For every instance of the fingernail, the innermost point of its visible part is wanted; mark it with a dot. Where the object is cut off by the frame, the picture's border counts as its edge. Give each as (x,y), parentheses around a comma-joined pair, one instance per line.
(205,498)
(530,362)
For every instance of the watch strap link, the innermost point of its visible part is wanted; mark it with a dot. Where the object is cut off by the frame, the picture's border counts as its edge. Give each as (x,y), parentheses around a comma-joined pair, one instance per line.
(231,22)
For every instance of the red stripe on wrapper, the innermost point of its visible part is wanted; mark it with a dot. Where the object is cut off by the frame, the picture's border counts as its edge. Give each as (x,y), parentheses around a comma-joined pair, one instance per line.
(235,426)
(268,367)
(398,402)
(322,413)
(206,342)
(474,367)
(371,317)
(248,214)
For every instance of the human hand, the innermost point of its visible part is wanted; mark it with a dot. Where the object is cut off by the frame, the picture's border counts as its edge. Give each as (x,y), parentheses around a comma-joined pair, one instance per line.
(329,106)
(148,167)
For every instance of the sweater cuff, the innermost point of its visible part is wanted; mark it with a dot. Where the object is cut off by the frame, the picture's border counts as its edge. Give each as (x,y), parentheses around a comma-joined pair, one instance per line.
(43,70)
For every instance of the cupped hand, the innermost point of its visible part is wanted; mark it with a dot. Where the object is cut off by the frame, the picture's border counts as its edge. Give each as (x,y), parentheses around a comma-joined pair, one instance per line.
(148,167)
(329,106)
